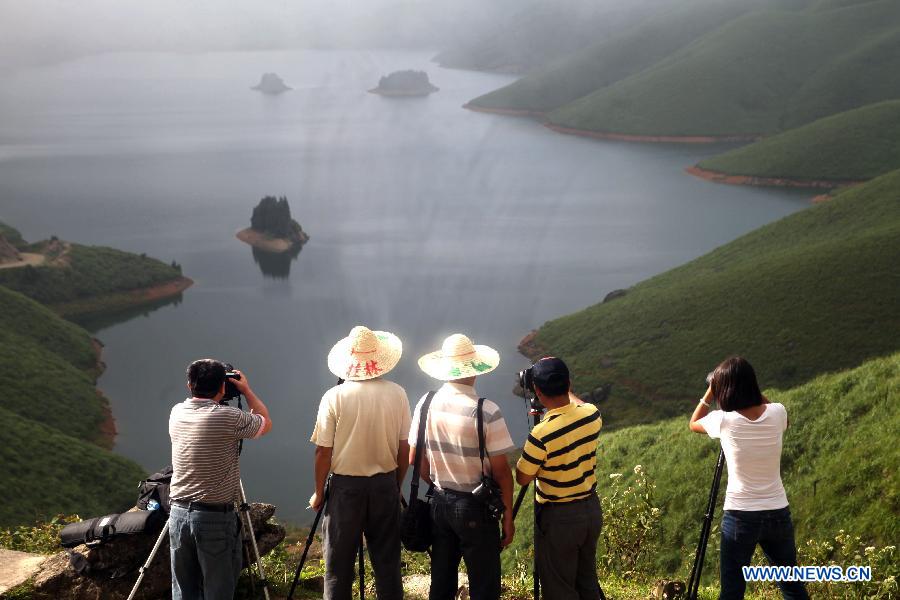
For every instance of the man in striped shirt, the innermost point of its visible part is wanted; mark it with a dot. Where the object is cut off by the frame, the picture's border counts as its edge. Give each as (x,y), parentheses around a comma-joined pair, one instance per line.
(561,453)
(204,529)
(461,524)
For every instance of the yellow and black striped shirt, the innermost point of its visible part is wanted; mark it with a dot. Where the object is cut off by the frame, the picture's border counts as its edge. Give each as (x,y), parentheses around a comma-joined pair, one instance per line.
(562,452)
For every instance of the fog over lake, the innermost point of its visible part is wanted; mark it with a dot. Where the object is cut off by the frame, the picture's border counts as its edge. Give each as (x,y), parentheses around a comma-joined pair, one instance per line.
(425,219)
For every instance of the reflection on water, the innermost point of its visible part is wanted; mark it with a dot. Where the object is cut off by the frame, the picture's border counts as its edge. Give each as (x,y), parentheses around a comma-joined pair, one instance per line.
(276,265)
(94,322)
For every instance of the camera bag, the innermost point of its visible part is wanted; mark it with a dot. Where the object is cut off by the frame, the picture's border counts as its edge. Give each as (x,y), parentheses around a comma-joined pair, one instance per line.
(101,529)
(156,488)
(415,522)
(489,491)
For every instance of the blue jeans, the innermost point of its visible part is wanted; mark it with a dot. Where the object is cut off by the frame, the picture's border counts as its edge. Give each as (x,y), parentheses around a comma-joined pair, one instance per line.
(462,528)
(742,530)
(206,554)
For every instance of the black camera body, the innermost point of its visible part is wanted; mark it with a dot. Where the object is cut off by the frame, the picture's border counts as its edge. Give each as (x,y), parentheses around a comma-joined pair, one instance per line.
(526,381)
(231,392)
(489,494)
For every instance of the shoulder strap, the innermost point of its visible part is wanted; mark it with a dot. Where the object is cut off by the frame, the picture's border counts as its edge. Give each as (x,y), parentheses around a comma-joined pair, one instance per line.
(420,441)
(480,417)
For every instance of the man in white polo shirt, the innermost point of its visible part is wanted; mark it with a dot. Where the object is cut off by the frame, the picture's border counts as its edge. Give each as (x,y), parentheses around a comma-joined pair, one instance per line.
(360,437)
(462,526)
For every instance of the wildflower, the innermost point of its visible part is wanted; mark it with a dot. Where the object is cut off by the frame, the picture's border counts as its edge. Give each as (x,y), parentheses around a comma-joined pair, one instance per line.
(615,475)
(638,469)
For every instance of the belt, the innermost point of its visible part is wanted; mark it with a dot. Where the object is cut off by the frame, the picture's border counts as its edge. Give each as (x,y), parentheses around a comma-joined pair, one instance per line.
(449,492)
(222,507)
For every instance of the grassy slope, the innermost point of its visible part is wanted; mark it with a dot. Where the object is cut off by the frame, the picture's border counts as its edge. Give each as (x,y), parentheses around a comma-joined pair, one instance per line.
(814,292)
(51,413)
(760,73)
(854,145)
(833,481)
(12,235)
(48,368)
(613,59)
(45,472)
(93,271)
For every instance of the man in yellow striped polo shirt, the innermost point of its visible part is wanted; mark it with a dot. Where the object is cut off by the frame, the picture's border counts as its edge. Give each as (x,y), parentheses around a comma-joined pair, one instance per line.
(561,453)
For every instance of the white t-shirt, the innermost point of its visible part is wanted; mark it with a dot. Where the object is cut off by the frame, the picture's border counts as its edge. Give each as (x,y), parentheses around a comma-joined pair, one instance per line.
(753,454)
(363,422)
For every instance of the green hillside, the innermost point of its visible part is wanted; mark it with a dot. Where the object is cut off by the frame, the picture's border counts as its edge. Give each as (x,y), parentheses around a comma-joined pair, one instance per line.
(616,57)
(51,459)
(12,235)
(851,146)
(761,73)
(814,292)
(833,481)
(86,272)
(48,369)
(45,472)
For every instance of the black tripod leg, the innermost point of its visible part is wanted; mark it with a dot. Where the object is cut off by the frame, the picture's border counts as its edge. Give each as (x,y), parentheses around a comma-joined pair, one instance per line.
(362,572)
(700,556)
(518,503)
(309,540)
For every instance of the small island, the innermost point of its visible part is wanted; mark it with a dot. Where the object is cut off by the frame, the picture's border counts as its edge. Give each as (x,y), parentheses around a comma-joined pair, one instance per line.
(271,227)
(405,83)
(271,83)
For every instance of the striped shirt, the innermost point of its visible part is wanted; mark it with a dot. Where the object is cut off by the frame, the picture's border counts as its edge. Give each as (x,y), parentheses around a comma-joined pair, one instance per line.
(451,436)
(205,461)
(562,452)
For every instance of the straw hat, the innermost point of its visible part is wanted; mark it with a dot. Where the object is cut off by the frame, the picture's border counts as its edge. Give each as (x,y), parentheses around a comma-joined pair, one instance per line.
(365,354)
(459,358)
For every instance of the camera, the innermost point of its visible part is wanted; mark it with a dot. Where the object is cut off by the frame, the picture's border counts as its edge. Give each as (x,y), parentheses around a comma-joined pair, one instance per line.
(231,392)
(488,493)
(709,378)
(526,382)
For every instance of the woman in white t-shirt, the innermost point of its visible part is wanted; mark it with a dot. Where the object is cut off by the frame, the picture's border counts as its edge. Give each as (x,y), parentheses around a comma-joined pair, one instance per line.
(756,506)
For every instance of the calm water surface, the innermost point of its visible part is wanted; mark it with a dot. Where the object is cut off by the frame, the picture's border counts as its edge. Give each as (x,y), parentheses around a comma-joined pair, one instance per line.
(425,219)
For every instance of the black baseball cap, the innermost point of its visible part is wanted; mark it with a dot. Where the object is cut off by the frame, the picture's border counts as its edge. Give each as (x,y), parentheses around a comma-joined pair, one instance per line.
(551,375)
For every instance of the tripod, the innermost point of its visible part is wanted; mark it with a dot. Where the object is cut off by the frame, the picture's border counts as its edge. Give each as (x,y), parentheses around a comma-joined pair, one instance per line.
(245,512)
(694,582)
(536,591)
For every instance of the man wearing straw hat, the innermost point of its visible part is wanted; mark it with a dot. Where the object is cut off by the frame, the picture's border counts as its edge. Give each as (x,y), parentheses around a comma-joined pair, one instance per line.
(461,524)
(360,437)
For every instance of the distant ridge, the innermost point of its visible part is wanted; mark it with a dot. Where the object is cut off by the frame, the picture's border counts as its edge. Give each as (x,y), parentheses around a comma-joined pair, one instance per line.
(848,147)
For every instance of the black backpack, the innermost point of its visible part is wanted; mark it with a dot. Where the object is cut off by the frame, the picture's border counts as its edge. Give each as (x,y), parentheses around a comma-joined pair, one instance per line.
(156,488)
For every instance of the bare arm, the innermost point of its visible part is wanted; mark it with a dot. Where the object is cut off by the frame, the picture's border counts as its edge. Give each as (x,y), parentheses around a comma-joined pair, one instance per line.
(402,461)
(256,405)
(701,411)
(524,479)
(503,476)
(322,465)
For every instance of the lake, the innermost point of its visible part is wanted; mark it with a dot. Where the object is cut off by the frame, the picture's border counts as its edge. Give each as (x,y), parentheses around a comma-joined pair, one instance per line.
(425,219)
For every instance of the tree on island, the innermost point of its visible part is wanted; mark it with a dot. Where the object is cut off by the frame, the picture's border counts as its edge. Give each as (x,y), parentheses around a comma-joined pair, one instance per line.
(272,217)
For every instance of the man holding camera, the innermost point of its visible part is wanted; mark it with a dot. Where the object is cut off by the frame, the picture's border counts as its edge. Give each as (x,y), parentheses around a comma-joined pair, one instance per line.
(360,437)
(204,528)
(561,453)
(463,524)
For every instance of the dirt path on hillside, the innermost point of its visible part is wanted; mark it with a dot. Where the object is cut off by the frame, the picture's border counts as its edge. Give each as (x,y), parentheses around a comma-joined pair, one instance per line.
(28,258)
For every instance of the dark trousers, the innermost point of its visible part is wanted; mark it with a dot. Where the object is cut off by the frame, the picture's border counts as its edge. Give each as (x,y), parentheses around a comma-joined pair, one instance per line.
(462,528)
(357,506)
(742,530)
(566,549)
(205,551)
